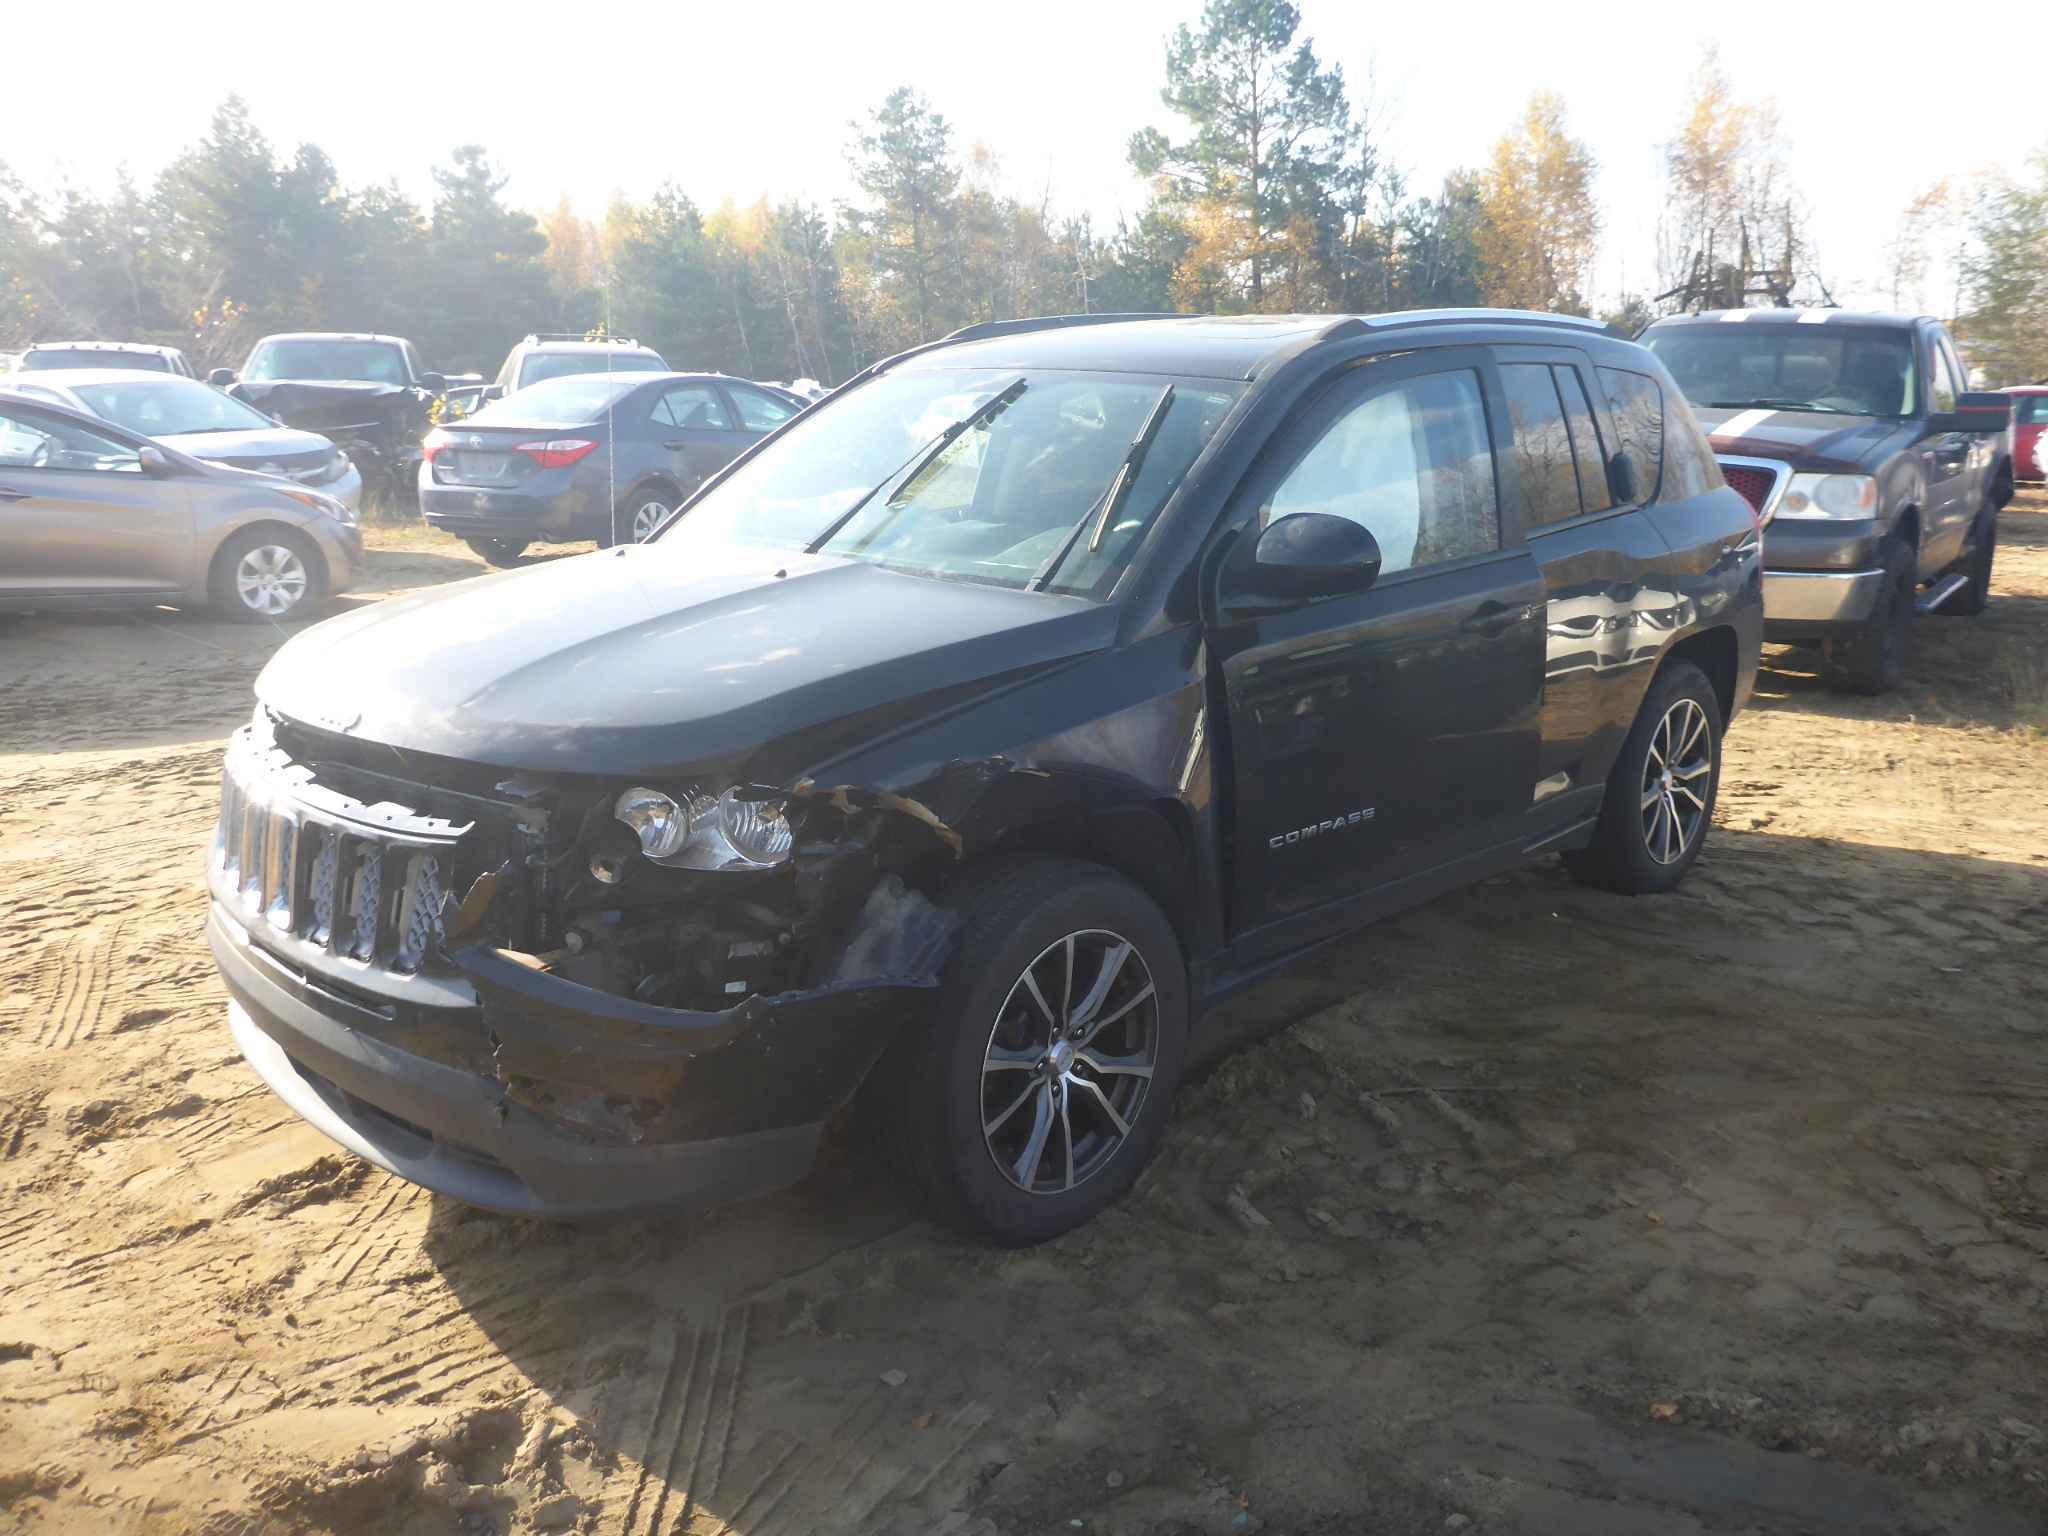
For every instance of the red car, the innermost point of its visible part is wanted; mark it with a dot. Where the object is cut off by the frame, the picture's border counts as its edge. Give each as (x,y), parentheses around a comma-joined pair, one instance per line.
(2029,431)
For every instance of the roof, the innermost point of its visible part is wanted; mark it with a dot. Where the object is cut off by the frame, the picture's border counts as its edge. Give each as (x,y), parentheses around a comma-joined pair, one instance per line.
(617,345)
(1875,319)
(330,336)
(1203,346)
(72,378)
(2025,389)
(101,346)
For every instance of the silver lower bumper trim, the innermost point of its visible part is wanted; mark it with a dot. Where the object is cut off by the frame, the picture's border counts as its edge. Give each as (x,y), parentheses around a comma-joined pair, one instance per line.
(1820,597)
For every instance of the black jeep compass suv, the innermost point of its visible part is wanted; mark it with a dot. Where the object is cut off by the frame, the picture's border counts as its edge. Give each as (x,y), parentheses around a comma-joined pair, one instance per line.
(961,742)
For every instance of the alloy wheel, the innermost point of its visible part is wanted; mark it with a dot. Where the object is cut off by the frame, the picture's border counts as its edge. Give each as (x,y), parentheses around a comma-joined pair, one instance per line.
(271,579)
(648,517)
(1069,1062)
(1675,774)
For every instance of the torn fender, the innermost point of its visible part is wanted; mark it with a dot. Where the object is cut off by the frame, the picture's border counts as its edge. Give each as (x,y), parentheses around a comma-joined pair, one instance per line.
(615,1066)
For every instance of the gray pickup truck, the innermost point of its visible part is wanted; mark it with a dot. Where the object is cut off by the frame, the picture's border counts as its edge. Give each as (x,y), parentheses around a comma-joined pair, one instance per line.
(1877,474)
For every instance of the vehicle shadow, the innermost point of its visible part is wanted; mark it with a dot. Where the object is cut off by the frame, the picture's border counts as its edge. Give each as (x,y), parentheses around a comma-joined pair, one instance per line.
(1539,1146)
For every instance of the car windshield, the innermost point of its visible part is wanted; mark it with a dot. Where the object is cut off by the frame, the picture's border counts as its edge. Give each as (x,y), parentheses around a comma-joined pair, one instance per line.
(1016,498)
(372,362)
(1856,371)
(573,401)
(94,357)
(167,407)
(539,366)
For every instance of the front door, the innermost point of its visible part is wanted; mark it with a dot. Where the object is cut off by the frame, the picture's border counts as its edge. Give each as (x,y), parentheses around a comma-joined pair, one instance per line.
(1945,456)
(1386,738)
(77,515)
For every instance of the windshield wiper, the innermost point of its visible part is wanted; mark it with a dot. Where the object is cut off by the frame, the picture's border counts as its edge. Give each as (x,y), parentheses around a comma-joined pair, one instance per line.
(917,463)
(1119,486)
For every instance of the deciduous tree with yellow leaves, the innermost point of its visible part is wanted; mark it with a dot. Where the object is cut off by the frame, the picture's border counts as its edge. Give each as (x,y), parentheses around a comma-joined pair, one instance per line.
(1538,221)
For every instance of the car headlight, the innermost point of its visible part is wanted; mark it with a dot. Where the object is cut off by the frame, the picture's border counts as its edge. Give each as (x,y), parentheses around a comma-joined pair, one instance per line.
(337,465)
(695,830)
(326,506)
(1836,496)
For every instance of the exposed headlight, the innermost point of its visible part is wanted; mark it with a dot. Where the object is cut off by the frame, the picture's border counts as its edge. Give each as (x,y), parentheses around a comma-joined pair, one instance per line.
(757,830)
(336,466)
(326,506)
(1837,496)
(662,825)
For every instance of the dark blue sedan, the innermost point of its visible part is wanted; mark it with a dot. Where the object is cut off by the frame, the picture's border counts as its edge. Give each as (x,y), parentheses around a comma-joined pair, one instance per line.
(604,456)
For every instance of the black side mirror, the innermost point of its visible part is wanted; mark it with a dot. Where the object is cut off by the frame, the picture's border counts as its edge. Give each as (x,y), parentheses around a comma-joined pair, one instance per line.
(1302,556)
(492,392)
(1621,480)
(220,378)
(1977,410)
(434,383)
(153,462)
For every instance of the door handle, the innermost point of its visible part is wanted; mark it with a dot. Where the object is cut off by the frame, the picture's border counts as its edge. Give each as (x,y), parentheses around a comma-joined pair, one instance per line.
(676,444)
(9,493)
(1490,618)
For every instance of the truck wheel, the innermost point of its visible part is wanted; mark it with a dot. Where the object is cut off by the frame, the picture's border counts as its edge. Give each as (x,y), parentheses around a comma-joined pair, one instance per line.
(1041,1087)
(1872,659)
(1983,551)
(502,553)
(1660,796)
(266,575)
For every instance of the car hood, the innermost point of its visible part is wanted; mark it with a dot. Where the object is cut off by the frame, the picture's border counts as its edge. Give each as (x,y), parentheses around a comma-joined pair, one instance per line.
(1805,439)
(250,449)
(636,662)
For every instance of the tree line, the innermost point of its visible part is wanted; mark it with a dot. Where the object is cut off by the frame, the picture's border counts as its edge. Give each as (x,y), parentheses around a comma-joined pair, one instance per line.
(1270,189)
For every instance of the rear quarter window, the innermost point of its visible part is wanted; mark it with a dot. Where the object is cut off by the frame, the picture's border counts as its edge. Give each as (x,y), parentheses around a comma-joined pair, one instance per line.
(1635,403)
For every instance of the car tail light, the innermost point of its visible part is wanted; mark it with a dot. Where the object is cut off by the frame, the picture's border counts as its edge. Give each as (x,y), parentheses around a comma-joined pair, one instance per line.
(556,452)
(435,441)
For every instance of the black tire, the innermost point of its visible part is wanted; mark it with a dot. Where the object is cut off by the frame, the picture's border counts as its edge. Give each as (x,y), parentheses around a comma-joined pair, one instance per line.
(299,576)
(1637,849)
(502,553)
(936,1092)
(1974,599)
(1872,659)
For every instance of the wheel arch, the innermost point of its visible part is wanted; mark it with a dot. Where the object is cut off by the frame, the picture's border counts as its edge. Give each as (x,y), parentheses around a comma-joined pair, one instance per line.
(216,568)
(1717,653)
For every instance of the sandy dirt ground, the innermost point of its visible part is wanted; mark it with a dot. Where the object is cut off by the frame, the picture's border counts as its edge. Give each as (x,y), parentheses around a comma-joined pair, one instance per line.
(1550,1212)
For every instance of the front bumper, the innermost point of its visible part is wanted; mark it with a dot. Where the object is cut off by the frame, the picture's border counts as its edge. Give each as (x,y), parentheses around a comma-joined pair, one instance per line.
(567,1113)
(1806,601)
(341,546)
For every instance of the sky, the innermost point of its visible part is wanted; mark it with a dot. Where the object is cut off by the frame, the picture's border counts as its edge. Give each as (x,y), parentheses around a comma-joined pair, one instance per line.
(734,101)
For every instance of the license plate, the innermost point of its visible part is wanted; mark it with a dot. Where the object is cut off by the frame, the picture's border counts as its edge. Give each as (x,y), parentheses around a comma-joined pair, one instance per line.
(483,466)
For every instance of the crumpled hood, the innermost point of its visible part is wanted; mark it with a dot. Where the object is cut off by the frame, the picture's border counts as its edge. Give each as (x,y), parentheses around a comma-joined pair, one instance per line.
(251,449)
(1806,439)
(633,661)
(323,405)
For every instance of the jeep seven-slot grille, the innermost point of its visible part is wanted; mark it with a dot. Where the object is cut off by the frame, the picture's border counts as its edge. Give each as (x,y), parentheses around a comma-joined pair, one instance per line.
(354,893)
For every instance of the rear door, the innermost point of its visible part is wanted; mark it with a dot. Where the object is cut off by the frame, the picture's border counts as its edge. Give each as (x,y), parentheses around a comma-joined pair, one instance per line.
(697,430)
(78,516)
(1384,738)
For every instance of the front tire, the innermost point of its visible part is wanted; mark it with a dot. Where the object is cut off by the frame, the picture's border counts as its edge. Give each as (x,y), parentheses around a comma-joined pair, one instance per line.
(1042,1085)
(1872,658)
(267,575)
(501,553)
(1659,804)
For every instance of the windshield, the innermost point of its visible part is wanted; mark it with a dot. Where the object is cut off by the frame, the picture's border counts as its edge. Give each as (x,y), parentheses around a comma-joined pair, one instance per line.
(373,362)
(166,407)
(1854,371)
(574,401)
(94,357)
(538,366)
(999,503)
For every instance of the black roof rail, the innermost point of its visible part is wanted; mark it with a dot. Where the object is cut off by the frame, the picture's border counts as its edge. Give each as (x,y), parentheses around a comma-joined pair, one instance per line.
(989,328)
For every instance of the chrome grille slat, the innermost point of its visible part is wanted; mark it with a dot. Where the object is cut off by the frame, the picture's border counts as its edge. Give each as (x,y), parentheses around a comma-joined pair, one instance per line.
(280,869)
(321,886)
(254,813)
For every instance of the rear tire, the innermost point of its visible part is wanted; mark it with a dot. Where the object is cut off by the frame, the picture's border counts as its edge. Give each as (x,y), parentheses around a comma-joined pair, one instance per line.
(1872,659)
(267,575)
(967,1095)
(1977,597)
(502,553)
(642,513)
(1659,804)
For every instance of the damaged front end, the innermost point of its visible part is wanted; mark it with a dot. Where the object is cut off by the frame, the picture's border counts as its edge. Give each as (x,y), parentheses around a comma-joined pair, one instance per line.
(486,984)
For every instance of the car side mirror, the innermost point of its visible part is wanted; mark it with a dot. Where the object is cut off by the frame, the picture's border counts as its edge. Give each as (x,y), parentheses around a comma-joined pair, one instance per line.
(493,392)
(1621,480)
(220,378)
(153,462)
(1986,410)
(435,383)
(1302,556)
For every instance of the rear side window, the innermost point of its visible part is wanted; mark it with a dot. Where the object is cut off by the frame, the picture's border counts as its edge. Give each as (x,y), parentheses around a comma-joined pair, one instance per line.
(1690,468)
(1543,443)
(1412,463)
(2030,410)
(1586,450)
(1636,406)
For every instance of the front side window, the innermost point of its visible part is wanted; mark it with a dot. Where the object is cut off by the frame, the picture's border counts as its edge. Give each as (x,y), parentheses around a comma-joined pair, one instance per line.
(1761,365)
(980,475)
(1411,463)
(1941,381)
(368,362)
(692,406)
(45,442)
(1635,404)
(759,412)
(1543,443)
